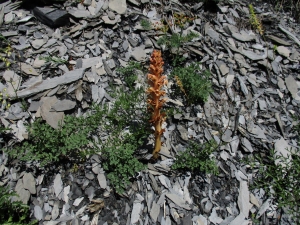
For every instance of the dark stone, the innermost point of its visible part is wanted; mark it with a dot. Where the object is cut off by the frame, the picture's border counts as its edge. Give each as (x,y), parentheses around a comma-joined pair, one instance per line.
(51,16)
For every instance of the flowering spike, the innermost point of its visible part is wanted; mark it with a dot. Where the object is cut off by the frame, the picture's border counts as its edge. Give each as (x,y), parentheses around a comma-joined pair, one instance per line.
(156,82)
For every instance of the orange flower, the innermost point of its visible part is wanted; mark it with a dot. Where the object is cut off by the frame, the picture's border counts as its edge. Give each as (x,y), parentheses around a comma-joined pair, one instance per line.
(155,103)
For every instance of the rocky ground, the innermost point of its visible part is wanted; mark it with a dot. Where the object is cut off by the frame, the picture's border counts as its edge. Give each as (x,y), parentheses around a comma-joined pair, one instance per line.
(256,85)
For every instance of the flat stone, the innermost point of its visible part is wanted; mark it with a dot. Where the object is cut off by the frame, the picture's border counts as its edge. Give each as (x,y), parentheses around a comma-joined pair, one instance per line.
(55,210)
(28,69)
(12,82)
(243,199)
(102,180)
(52,118)
(213,34)
(89,62)
(178,201)
(136,210)
(37,44)
(214,218)
(278,40)
(118,6)
(29,183)
(38,212)
(139,54)
(63,105)
(58,185)
(292,87)
(243,36)
(154,211)
(52,83)
(107,20)
(80,13)
(284,51)
(23,195)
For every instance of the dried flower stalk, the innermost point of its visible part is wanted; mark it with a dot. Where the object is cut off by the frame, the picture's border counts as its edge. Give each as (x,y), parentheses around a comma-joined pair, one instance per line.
(155,103)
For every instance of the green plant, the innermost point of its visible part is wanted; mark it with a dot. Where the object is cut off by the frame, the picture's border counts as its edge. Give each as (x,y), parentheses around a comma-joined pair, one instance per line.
(13,212)
(54,59)
(196,83)
(197,158)
(129,72)
(5,50)
(120,164)
(46,144)
(282,181)
(146,24)
(128,126)
(176,40)
(255,22)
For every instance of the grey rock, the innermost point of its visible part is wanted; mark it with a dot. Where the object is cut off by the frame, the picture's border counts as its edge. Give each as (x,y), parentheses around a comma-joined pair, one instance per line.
(227,136)
(90,192)
(29,183)
(278,40)
(79,13)
(52,83)
(38,213)
(214,218)
(263,208)
(284,51)
(183,132)
(107,20)
(139,53)
(58,185)
(118,6)
(154,211)
(178,201)
(28,69)
(102,180)
(52,118)
(243,199)
(63,105)
(247,145)
(243,86)
(55,210)
(136,210)
(292,87)
(23,195)
(37,44)
(243,36)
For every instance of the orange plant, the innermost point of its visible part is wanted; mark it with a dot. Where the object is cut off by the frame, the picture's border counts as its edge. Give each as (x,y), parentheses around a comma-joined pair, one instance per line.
(155,102)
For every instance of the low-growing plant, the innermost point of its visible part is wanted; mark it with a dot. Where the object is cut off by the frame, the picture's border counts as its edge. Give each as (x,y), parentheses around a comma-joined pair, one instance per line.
(197,158)
(195,82)
(54,59)
(13,212)
(120,164)
(129,72)
(176,40)
(46,144)
(146,24)
(255,22)
(281,181)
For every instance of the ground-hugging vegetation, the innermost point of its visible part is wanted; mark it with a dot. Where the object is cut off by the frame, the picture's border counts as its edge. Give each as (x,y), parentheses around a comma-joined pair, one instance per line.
(13,212)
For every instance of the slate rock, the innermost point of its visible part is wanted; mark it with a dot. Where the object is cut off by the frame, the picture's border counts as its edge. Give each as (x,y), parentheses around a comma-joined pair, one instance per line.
(51,16)
(292,87)
(118,6)
(29,183)
(58,185)
(38,212)
(63,105)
